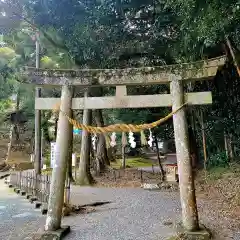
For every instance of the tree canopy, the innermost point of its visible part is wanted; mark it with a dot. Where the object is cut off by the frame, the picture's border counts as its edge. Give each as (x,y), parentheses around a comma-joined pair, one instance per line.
(129,33)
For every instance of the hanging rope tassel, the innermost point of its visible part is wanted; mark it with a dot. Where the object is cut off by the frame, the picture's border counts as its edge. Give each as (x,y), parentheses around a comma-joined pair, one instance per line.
(124,139)
(107,140)
(143,139)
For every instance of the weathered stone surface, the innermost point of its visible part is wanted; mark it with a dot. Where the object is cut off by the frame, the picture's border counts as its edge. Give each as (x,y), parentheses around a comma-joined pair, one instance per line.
(129,76)
(51,235)
(150,186)
(56,196)
(160,186)
(140,101)
(202,234)
(186,180)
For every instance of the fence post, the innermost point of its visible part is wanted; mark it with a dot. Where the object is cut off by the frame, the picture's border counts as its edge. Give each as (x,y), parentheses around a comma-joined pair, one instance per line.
(31,183)
(27,182)
(40,188)
(67,191)
(20,180)
(44,187)
(48,187)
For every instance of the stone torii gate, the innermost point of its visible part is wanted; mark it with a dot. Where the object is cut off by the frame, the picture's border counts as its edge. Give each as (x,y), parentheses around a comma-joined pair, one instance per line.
(175,75)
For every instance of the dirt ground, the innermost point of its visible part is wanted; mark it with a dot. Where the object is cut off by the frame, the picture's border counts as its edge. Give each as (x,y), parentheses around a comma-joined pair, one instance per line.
(219,199)
(126,178)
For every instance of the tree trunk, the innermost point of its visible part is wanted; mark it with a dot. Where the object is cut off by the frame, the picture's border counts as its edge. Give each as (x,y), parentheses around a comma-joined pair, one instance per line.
(55,128)
(45,133)
(17,120)
(233,55)
(16,132)
(123,157)
(101,155)
(37,146)
(10,142)
(32,141)
(192,137)
(226,145)
(193,148)
(70,150)
(230,147)
(111,152)
(204,141)
(159,159)
(14,127)
(85,177)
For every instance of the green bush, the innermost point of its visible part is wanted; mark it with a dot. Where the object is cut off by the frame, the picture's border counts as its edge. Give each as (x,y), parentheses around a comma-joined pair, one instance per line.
(218,160)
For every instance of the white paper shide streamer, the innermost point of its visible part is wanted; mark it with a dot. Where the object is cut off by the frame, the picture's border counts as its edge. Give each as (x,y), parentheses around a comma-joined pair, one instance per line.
(150,141)
(94,140)
(132,140)
(113,142)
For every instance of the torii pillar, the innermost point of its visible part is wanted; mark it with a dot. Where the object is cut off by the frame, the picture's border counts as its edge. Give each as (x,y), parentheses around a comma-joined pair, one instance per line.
(186,181)
(56,198)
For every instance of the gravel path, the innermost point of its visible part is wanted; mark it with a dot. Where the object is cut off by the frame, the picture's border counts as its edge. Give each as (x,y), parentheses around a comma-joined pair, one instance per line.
(133,214)
(18,218)
(139,214)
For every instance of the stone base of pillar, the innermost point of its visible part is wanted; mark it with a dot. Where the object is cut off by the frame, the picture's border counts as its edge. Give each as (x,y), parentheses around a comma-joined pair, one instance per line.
(202,234)
(51,235)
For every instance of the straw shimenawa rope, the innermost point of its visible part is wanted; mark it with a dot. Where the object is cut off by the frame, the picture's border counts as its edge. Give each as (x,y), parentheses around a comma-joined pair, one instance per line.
(118,127)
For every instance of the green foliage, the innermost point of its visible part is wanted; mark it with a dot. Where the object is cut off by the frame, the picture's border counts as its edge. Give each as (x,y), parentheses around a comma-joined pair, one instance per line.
(218,160)
(118,34)
(107,33)
(47,158)
(204,24)
(229,172)
(8,60)
(5,104)
(133,163)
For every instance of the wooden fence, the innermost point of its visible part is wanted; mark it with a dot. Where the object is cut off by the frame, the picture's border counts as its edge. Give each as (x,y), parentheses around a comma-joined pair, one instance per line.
(35,185)
(128,175)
